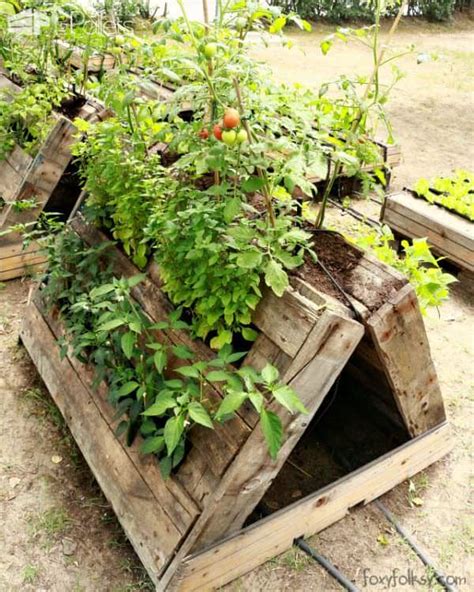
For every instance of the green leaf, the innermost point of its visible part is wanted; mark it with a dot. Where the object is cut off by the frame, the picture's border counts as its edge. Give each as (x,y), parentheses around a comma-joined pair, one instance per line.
(276,277)
(160,359)
(189,371)
(231,403)
(135,280)
(278,24)
(270,374)
(7,9)
(326,46)
(217,376)
(163,402)
(272,431)
(257,400)
(101,290)
(198,414)
(174,428)
(128,343)
(249,259)
(112,324)
(287,397)
(127,388)
(166,464)
(153,444)
(252,184)
(249,334)
(223,338)
(231,209)
(182,352)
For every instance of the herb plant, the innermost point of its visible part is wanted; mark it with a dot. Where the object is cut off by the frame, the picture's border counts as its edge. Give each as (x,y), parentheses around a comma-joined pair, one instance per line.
(159,389)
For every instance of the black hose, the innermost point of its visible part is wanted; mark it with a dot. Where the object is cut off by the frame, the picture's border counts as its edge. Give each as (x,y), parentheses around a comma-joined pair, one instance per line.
(328,566)
(413,544)
(404,534)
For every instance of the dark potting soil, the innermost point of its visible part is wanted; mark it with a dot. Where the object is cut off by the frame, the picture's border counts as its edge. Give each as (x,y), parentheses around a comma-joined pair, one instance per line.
(341,260)
(71,106)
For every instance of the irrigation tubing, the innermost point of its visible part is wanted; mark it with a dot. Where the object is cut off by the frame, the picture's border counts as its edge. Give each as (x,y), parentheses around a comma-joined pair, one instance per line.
(414,545)
(440,577)
(328,566)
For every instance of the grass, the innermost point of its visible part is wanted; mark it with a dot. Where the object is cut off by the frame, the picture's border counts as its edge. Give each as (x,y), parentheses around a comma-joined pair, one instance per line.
(51,524)
(30,574)
(294,559)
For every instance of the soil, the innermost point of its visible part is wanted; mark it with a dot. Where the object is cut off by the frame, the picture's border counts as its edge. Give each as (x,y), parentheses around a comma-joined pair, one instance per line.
(57,531)
(333,274)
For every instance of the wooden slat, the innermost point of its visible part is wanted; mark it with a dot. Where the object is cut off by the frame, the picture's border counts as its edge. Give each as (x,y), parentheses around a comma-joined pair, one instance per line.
(286,321)
(239,554)
(150,531)
(169,494)
(332,341)
(12,170)
(221,444)
(449,234)
(400,339)
(44,174)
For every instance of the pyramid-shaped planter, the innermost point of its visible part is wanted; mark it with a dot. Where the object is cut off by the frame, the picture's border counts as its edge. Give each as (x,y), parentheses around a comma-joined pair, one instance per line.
(43,178)
(188,530)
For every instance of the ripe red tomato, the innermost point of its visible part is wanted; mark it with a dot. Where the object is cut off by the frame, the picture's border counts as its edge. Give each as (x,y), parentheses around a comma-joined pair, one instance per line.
(217,132)
(204,134)
(231,118)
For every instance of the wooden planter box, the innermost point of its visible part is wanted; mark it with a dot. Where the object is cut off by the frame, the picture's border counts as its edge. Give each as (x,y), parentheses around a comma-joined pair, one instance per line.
(196,531)
(43,178)
(449,234)
(78,58)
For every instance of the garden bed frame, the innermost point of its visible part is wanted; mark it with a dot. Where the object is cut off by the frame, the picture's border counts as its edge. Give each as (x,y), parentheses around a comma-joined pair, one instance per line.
(187,530)
(77,56)
(450,235)
(23,177)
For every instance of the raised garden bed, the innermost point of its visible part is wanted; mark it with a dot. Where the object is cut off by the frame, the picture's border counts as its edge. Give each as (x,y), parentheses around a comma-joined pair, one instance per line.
(450,234)
(199,529)
(82,59)
(48,179)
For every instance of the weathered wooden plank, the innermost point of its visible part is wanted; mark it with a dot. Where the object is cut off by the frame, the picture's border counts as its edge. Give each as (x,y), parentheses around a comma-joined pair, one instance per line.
(450,225)
(332,341)
(12,170)
(150,531)
(77,57)
(286,321)
(449,234)
(169,494)
(238,554)
(400,339)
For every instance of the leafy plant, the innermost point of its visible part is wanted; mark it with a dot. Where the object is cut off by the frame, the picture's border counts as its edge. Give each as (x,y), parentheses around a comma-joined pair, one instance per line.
(454,193)
(27,116)
(161,388)
(416,262)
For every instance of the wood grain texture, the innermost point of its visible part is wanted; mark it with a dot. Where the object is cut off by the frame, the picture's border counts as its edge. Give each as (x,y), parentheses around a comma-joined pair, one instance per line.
(252,546)
(399,336)
(151,533)
(448,233)
(332,341)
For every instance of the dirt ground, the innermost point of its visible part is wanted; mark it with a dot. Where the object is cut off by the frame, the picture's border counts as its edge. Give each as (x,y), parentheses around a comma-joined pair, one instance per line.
(58,533)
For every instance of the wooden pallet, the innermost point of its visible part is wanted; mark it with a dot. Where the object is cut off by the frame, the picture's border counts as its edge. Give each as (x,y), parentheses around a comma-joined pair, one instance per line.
(188,530)
(39,178)
(448,233)
(78,58)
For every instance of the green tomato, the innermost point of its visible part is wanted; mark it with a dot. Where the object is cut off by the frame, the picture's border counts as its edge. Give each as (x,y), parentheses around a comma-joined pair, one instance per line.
(119,40)
(210,50)
(229,137)
(242,136)
(240,23)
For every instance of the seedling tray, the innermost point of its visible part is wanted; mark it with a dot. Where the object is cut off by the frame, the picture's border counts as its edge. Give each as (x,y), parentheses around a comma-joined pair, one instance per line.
(451,235)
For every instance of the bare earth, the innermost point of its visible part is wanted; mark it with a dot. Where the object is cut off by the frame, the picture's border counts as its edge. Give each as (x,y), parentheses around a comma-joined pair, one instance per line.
(57,532)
